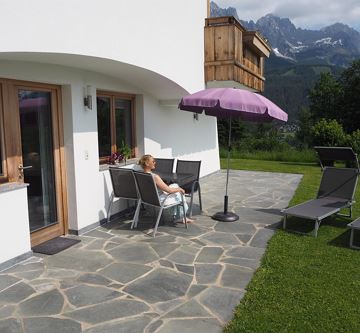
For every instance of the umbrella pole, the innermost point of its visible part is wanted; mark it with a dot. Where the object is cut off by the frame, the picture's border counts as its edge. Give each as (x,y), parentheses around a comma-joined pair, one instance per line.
(227,171)
(226,216)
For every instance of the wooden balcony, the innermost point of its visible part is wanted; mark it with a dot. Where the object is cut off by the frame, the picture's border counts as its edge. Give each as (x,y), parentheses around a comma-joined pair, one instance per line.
(234,57)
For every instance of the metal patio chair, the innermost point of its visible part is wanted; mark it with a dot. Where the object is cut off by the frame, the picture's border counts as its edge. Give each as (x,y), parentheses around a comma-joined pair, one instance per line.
(192,185)
(149,196)
(336,191)
(124,186)
(165,165)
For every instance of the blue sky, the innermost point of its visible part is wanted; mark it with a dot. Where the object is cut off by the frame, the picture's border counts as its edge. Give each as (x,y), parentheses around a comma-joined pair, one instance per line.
(306,14)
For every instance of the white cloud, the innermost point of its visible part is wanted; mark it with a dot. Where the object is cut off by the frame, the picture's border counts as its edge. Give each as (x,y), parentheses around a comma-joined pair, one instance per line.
(310,14)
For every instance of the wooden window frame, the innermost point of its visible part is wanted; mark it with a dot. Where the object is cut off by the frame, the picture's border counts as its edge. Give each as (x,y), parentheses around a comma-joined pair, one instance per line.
(4,175)
(125,96)
(10,132)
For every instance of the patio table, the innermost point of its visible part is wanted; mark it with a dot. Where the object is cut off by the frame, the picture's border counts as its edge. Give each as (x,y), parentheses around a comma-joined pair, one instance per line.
(178,178)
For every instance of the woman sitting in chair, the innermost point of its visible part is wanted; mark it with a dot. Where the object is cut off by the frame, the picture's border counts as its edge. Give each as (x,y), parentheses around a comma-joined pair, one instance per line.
(147,162)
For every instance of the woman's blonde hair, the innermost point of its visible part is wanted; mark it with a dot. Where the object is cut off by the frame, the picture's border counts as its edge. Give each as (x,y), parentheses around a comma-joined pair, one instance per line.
(142,161)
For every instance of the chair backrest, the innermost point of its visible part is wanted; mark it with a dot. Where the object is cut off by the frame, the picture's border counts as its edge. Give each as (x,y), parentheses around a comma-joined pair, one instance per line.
(123,183)
(164,165)
(147,188)
(190,167)
(338,182)
(331,154)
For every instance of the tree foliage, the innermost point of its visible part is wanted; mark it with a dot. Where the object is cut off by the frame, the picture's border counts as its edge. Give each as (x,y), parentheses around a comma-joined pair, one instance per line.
(325,98)
(328,133)
(338,99)
(350,101)
(353,140)
(305,123)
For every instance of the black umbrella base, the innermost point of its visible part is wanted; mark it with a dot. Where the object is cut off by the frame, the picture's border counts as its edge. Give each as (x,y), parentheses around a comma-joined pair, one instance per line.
(225,217)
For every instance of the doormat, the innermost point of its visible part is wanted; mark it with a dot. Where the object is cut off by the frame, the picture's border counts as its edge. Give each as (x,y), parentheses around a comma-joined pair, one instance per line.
(55,245)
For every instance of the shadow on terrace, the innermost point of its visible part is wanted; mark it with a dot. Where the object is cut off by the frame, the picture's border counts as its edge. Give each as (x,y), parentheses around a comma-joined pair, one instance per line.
(122,280)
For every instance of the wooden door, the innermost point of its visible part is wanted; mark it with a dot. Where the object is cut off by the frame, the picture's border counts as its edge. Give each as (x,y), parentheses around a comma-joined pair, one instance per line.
(41,161)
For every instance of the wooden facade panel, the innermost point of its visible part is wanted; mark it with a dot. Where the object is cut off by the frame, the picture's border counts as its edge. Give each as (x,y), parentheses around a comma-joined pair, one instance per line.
(209,48)
(209,73)
(224,73)
(238,45)
(232,72)
(251,60)
(262,66)
(224,43)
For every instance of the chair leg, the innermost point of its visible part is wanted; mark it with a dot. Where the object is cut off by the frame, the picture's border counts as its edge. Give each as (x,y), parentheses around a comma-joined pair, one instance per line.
(157,221)
(191,204)
(136,215)
(352,238)
(317,224)
(183,207)
(109,208)
(200,202)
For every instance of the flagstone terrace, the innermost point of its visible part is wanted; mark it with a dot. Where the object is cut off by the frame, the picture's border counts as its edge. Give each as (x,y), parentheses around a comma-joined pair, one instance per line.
(122,280)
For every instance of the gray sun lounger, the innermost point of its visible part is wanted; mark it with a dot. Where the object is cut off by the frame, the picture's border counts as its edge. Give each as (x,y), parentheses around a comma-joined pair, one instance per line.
(336,191)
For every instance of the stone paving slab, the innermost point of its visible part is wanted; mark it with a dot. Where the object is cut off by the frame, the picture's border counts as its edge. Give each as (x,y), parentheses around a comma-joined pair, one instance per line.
(46,304)
(11,325)
(108,311)
(134,325)
(160,285)
(221,301)
(124,272)
(191,326)
(7,281)
(121,280)
(49,324)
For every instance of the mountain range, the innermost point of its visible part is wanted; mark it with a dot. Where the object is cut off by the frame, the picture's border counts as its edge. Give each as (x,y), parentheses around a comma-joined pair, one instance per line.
(298,56)
(337,44)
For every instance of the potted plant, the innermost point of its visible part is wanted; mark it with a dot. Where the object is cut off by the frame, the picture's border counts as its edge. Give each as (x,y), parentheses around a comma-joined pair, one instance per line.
(116,158)
(125,151)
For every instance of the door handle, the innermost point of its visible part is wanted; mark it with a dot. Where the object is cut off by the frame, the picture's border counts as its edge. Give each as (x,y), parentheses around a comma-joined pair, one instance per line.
(21,167)
(21,170)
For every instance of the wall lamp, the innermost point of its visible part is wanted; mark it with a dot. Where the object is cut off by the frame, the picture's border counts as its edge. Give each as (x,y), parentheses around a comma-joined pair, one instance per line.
(196,116)
(88,98)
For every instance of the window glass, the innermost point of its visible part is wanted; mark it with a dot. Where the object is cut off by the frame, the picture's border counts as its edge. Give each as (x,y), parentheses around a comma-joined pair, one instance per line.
(104,126)
(123,122)
(115,127)
(1,153)
(37,145)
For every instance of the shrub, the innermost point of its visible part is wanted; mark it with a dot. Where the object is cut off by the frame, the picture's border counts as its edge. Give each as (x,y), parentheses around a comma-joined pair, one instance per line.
(328,133)
(354,141)
(288,155)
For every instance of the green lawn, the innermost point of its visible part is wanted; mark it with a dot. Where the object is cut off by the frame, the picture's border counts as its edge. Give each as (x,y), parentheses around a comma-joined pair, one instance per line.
(304,284)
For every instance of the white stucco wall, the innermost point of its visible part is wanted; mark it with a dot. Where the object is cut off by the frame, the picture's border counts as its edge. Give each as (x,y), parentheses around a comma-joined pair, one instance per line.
(161,131)
(55,42)
(85,184)
(15,234)
(164,36)
(170,132)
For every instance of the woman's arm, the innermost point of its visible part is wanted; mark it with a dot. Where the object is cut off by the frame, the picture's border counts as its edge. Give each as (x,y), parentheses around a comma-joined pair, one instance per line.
(162,186)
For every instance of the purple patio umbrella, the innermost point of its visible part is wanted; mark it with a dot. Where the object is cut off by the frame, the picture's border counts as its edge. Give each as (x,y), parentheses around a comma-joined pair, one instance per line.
(232,103)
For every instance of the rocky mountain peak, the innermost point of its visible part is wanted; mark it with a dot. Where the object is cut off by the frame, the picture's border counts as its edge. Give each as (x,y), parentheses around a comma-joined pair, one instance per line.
(216,11)
(337,44)
(276,23)
(338,27)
